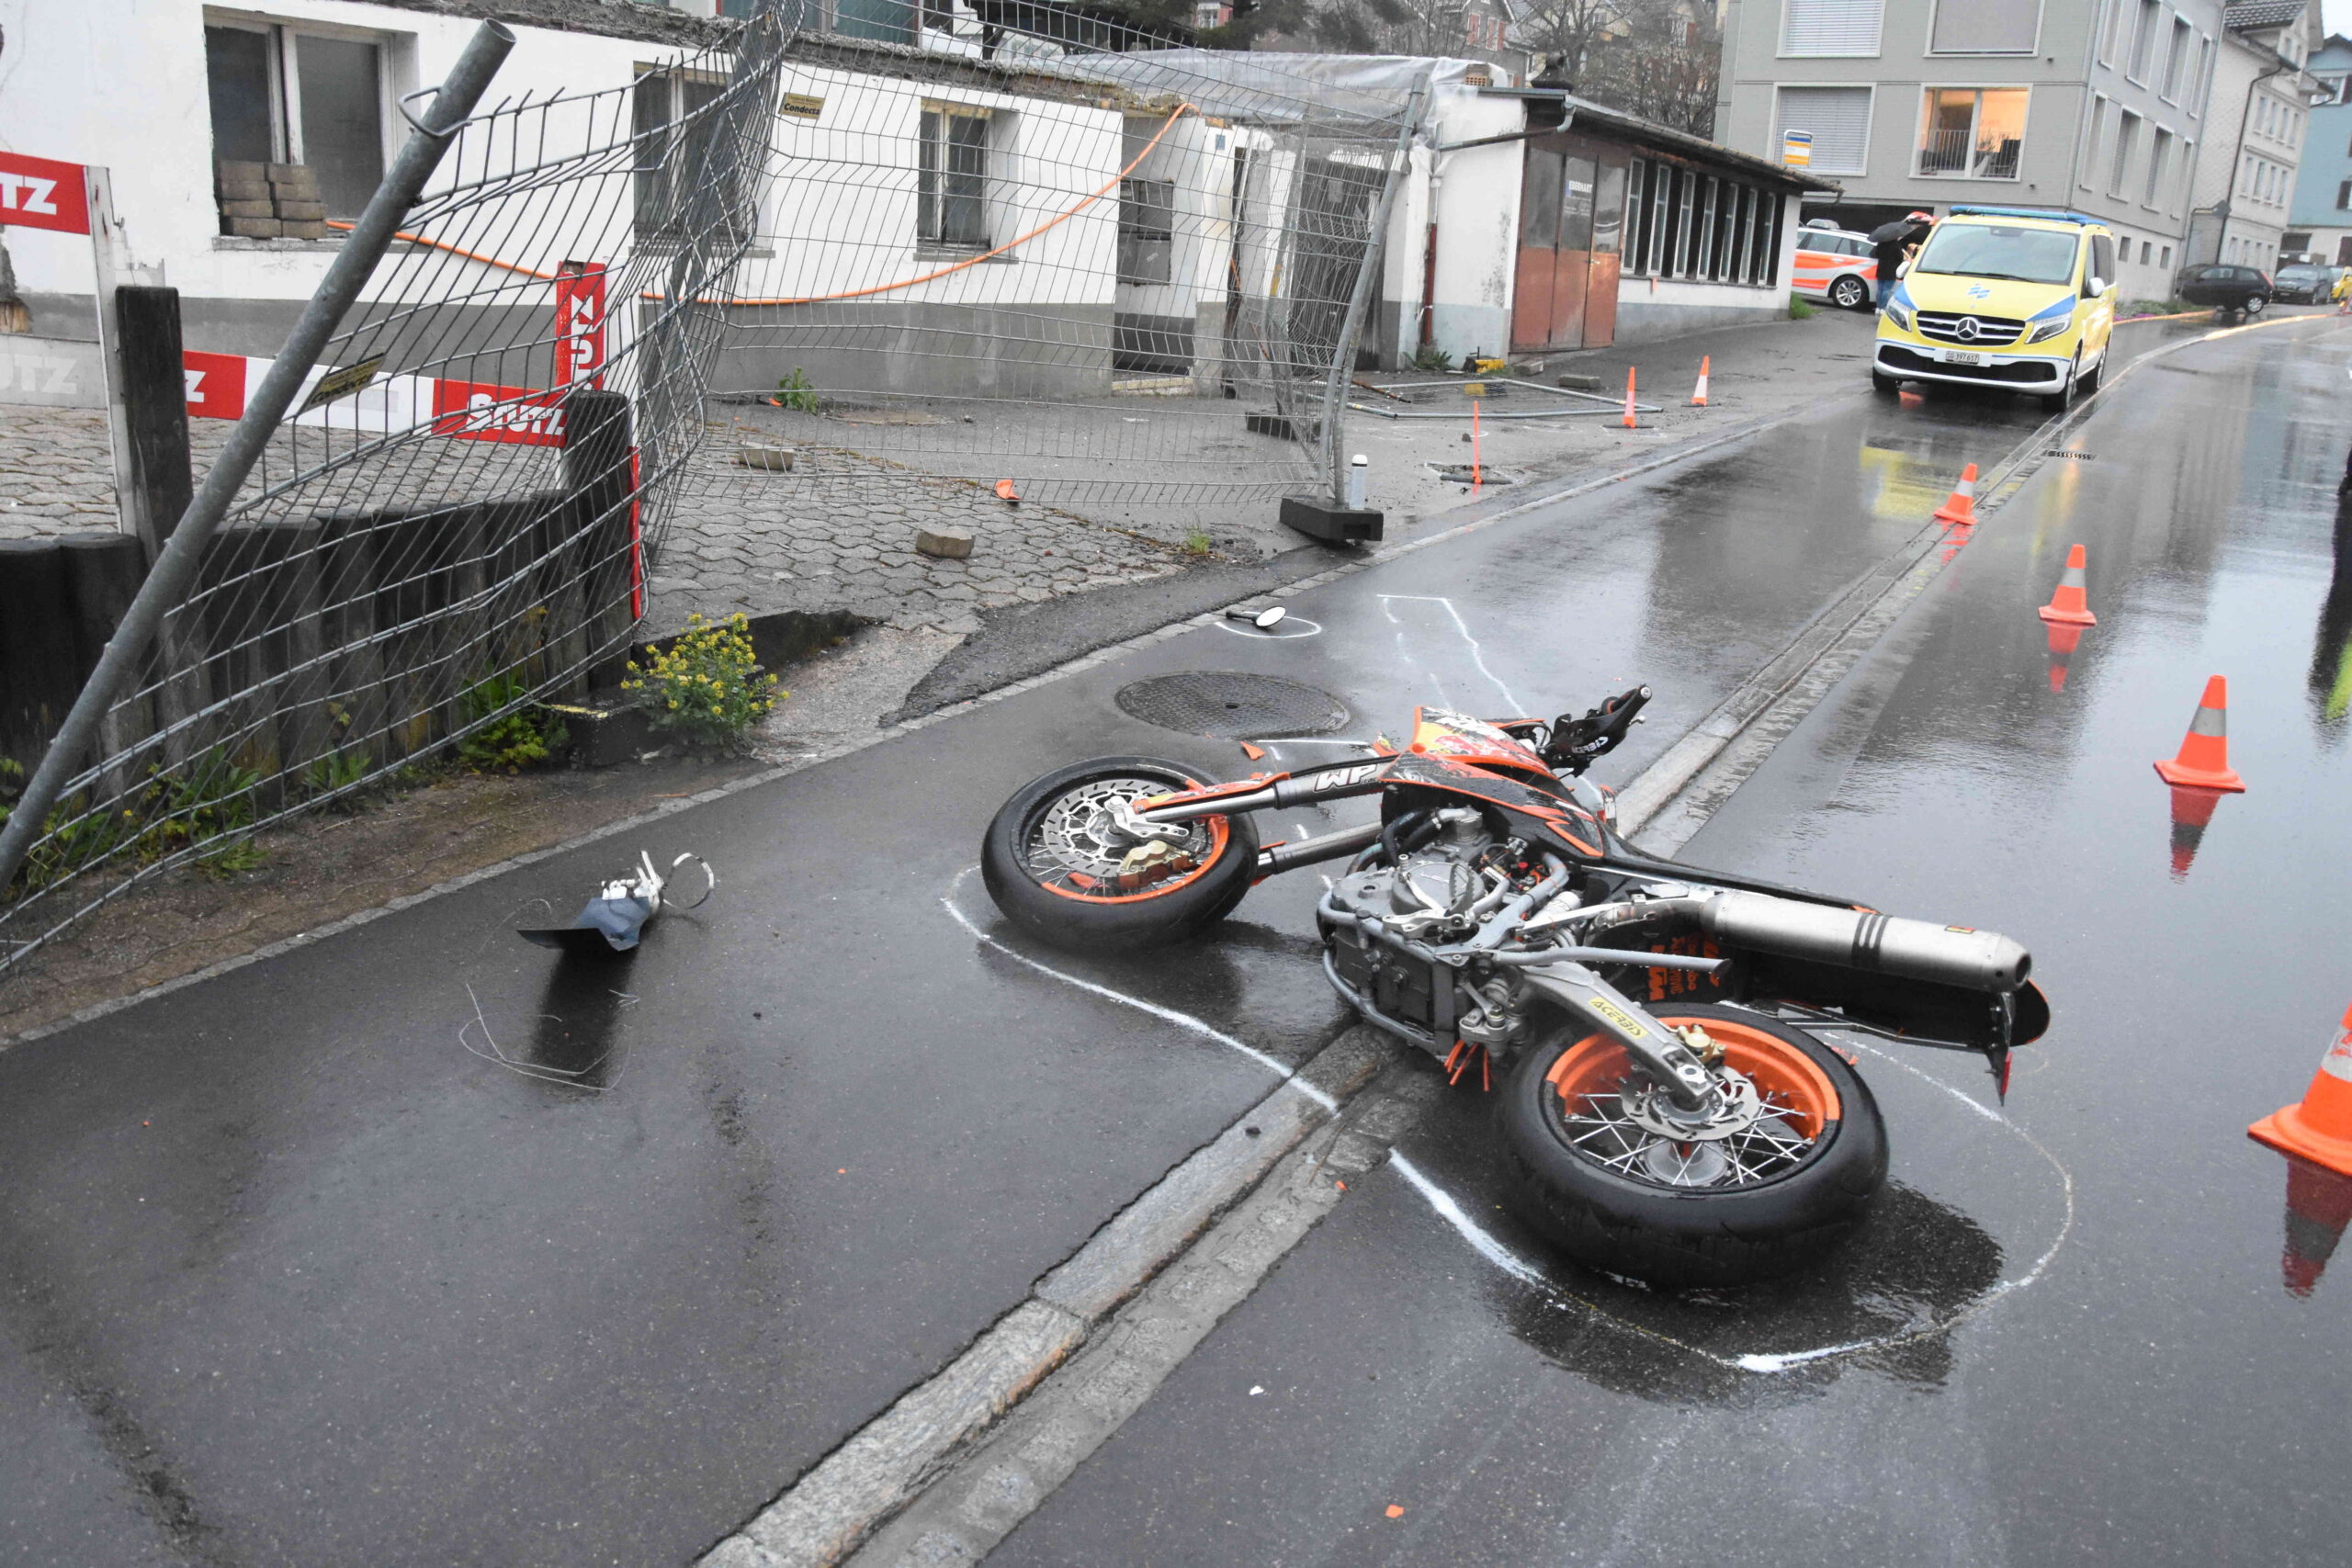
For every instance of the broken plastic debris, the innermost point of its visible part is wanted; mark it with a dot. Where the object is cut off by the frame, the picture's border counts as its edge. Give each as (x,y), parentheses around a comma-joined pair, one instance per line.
(1256,1389)
(1396,1511)
(614,920)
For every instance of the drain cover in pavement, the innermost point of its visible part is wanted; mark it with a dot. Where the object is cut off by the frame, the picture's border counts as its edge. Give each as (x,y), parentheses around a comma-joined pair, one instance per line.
(1233,705)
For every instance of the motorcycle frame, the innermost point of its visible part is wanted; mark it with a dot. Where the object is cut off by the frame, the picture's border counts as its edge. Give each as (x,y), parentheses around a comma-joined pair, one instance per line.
(1578,837)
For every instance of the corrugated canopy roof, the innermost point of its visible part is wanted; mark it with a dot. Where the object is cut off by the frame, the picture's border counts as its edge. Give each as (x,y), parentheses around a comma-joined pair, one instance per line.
(2261,14)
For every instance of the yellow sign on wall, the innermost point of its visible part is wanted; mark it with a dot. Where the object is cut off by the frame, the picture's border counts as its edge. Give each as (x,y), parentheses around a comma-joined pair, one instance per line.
(1796,149)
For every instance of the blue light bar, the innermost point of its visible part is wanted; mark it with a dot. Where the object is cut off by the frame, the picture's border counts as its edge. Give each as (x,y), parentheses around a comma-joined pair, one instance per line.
(2023,212)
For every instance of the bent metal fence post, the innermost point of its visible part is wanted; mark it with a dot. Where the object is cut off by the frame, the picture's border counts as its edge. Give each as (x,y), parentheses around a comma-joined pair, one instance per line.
(1126,273)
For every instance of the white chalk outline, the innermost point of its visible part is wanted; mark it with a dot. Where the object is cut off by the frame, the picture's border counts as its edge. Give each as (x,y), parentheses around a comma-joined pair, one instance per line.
(1182,1021)
(1477,654)
(1491,1247)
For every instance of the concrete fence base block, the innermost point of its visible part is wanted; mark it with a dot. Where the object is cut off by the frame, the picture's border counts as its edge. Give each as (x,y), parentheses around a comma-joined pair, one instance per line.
(947,544)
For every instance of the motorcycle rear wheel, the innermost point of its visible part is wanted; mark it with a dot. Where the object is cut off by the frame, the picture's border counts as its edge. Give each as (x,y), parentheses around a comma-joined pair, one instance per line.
(1052,871)
(1617,1197)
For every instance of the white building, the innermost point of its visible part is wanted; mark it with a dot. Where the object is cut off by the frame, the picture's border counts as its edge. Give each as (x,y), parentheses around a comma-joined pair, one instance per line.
(2258,119)
(1528,222)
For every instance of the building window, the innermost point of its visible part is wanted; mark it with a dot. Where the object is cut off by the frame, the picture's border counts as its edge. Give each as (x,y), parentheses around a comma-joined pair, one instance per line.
(2127,135)
(677,122)
(2200,83)
(2177,59)
(1972,133)
(1636,232)
(1147,231)
(1666,218)
(2143,38)
(1839,119)
(2344,197)
(2108,26)
(1830,27)
(2159,156)
(1985,27)
(2102,126)
(282,95)
(2164,256)
(950,185)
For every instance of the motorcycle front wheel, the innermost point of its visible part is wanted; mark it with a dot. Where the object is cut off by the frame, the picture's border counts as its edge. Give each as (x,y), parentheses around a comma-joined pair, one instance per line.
(1589,1169)
(1054,867)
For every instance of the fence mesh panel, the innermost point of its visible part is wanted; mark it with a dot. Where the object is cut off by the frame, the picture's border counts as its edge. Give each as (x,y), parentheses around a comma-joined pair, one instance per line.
(1120,276)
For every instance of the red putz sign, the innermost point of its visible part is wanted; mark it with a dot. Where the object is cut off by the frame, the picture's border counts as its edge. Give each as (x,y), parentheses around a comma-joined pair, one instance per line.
(580,324)
(216,384)
(41,193)
(477,411)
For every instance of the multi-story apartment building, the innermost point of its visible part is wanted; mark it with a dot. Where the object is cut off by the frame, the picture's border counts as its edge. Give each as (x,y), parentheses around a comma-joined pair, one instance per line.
(2257,124)
(2319,218)
(2097,106)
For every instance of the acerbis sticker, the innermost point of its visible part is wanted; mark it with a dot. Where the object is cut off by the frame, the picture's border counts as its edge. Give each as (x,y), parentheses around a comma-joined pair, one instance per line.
(1617,1016)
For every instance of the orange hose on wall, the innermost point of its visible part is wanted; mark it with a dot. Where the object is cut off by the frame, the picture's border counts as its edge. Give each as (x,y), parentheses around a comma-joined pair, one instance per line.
(1179,112)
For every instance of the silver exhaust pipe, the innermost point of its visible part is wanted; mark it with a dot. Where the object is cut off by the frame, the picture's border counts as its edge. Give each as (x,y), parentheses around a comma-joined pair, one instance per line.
(1912,950)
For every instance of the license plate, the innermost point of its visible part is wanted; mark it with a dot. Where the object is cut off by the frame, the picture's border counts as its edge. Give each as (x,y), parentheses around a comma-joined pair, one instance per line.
(1953,356)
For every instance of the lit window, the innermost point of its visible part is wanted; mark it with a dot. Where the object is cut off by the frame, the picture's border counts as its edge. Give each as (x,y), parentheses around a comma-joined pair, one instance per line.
(1972,134)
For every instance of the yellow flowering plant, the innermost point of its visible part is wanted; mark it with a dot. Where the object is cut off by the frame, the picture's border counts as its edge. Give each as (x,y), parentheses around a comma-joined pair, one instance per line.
(706,684)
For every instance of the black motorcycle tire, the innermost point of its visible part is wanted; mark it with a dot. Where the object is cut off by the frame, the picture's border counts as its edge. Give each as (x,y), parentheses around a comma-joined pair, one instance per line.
(1690,1236)
(1111,925)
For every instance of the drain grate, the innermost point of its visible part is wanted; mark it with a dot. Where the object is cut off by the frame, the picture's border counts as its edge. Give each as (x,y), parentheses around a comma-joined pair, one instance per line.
(1231,705)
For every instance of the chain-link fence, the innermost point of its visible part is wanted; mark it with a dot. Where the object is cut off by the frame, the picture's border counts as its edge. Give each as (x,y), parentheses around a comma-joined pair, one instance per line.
(922,264)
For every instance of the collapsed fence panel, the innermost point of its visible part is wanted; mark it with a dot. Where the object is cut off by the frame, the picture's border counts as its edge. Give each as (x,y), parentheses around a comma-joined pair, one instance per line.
(942,265)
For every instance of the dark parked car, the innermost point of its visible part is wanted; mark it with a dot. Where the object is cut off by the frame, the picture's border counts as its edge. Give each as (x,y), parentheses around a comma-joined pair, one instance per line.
(2241,289)
(2302,284)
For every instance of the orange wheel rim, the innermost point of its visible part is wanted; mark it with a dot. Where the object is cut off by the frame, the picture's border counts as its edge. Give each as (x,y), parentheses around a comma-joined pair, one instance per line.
(1798,1106)
(1084,872)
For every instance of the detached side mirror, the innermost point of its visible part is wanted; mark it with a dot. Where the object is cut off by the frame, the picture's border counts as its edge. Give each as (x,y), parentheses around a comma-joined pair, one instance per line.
(2095,286)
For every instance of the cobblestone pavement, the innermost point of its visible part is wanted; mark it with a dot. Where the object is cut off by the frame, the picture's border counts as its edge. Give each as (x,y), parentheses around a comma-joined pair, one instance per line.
(838,531)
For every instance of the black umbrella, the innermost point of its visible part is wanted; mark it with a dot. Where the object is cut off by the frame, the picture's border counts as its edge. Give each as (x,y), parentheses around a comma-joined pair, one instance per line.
(1888,233)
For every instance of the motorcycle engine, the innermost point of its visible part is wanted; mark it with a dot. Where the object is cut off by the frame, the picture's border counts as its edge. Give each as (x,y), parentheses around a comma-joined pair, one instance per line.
(1435,893)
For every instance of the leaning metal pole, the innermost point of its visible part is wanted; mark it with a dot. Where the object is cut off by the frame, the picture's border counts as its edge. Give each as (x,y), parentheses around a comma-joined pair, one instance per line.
(176,564)
(1343,356)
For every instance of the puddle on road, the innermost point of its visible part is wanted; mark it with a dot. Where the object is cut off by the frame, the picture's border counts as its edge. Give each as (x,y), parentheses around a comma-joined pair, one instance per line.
(1972,1210)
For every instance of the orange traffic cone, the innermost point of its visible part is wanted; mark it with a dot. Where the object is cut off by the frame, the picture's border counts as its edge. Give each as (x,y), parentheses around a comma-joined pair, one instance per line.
(2064,640)
(1629,422)
(2071,605)
(1698,393)
(2319,1205)
(1962,505)
(2192,813)
(1005,493)
(2204,760)
(2320,1128)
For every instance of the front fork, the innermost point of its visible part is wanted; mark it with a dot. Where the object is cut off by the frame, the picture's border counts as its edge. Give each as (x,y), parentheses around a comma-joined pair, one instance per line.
(1658,1050)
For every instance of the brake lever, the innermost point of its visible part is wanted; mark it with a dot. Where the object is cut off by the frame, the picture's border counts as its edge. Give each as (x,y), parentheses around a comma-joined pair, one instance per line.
(1576,742)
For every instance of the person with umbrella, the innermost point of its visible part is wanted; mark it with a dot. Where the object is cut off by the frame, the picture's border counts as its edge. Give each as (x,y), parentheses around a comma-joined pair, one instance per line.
(1891,246)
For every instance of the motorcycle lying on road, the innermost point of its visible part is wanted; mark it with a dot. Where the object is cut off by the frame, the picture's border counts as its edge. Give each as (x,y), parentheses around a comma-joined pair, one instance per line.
(1666,1111)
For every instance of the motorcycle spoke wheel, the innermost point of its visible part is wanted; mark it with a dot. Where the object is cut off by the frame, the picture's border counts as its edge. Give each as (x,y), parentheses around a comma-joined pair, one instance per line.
(1597,1095)
(1071,847)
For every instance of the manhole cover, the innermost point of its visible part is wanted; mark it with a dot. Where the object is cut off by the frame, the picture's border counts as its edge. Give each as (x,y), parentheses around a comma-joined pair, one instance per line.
(1232,706)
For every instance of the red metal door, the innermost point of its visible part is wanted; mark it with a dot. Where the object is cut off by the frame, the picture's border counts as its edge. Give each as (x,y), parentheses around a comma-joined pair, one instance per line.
(1608,247)
(1571,276)
(1539,230)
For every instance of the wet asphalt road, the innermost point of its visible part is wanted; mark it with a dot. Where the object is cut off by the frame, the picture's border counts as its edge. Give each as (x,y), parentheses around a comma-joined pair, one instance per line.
(295,1274)
(2067,1334)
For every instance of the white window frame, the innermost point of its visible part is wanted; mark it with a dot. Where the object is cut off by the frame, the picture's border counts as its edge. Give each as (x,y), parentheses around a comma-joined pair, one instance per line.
(2179,39)
(2103,35)
(2041,14)
(286,86)
(2144,10)
(1870,121)
(2161,144)
(2102,114)
(2120,157)
(1781,44)
(1918,127)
